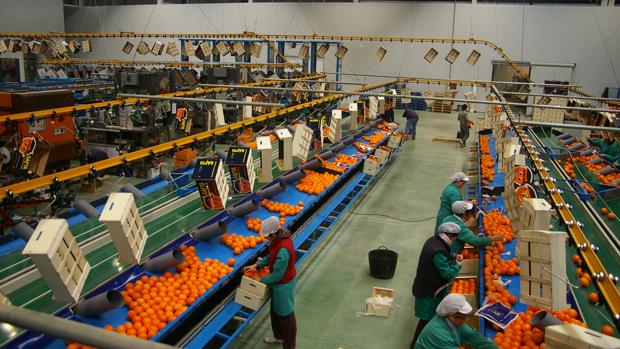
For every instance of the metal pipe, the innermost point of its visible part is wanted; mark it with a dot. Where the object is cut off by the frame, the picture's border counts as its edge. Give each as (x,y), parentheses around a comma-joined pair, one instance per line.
(199,100)
(387,95)
(317,81)
(72,330)
(557,96)
(455,81)
(571,126)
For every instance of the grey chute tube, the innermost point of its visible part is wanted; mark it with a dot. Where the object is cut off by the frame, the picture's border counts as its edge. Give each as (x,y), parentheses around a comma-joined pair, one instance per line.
(244,209)
(311,165)
(130,188)
(164,262)
(338,147)
(328,154)
(293,176)
(276,189)
(85,208)
(100,303)
(210,231)
(23,230)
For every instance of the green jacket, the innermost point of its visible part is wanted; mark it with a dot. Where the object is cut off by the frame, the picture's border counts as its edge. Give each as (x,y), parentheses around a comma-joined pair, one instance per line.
(610,151)
(282,296)
(438,334)
(449,195)
(425,307)
(466,236)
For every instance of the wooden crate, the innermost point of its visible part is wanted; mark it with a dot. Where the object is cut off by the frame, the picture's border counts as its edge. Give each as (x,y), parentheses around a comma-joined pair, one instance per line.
(535,214)
(571,336)
(120,215)
(381,309)
(542,253)
(58,258)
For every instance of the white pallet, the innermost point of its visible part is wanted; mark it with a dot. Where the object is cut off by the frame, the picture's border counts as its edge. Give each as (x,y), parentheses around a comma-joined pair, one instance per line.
(122,218)
(571,336)
(302,141)
(542,253)
(352,116)
(58,258)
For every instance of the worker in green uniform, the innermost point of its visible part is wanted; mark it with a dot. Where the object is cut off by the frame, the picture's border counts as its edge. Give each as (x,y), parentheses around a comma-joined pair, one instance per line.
(463,211)
(449,195)
(447,329)
(437,267)
(609,149)
(281,281)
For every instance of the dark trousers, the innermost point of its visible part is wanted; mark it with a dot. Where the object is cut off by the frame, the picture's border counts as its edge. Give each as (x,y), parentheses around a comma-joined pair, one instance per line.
(410,127)
(418,330)
(284,328)
(464,133)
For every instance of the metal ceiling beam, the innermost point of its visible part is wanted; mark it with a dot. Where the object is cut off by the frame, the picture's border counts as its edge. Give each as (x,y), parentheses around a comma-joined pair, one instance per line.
(559,96)
(386,95)
(123,63)
(571,126)
(142,98)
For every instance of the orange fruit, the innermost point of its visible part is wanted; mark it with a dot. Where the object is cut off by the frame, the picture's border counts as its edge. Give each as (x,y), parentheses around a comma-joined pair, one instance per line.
(231,261)
(611,215)
(593,297)
(608,330)
(584,282)
(604,210)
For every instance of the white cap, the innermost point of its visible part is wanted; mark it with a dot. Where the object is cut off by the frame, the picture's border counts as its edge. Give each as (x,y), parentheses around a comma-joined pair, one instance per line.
(269,226)
(459,176)
(460,207)
(449,228)
(453,303)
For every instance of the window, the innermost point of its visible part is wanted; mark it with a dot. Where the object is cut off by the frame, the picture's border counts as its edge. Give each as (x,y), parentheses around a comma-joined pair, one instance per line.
(303,0)
(202,1)
(118,2)
(415,1)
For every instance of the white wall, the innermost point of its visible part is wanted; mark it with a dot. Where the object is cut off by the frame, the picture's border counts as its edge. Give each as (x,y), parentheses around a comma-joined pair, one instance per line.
(31,16)
(560,34)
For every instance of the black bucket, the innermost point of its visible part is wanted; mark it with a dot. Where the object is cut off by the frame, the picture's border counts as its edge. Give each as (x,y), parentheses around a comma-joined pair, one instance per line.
(382,262)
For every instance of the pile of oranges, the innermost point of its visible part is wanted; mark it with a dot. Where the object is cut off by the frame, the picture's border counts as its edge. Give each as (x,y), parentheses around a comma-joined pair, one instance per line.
(588,187)
(469,253)
(487,164)
(282,208)
(155,301)
(332,166)
(346,159)
(257,274)
(495,223)
(384,127)
(314,183)
(569,168)
(374,139)
(464,286)
(361,147)
(253,224)
(521,334)
(239,243)
(584,278)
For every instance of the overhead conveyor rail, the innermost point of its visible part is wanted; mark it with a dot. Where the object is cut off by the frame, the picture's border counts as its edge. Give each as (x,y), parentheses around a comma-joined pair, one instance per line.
(124,63)
(609,291)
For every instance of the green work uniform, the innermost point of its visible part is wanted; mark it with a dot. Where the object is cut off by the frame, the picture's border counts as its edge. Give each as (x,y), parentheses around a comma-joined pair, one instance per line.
(282,296)
(449,195)
(465,236)
(439,334)
(447,268)
(610,151)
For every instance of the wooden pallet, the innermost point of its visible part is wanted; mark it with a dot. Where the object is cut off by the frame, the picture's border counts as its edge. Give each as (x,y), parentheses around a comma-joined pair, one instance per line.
(445,139)
(441,108)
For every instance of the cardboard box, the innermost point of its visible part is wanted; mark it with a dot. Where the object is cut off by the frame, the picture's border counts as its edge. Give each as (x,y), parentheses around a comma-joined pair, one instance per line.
(383,153)
(380,309)
(372,164)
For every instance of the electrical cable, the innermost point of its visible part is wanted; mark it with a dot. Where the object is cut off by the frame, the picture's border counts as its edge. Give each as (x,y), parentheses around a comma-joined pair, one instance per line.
(392,217)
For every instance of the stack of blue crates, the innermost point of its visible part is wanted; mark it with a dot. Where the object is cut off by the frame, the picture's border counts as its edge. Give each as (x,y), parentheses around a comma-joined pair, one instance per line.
(416,103)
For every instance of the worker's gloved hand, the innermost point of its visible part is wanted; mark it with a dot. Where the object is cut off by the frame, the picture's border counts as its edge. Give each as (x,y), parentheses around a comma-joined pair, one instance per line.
(497,238)
(459,258)
(249,268)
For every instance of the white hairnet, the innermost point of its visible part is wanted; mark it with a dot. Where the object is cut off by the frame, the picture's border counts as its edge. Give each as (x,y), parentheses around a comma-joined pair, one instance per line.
(459,176)
(460,207)
(449,228)
(453,303)
(269,226)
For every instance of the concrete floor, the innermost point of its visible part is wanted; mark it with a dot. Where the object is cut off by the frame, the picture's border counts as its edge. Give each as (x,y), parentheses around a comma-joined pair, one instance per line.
(334,282)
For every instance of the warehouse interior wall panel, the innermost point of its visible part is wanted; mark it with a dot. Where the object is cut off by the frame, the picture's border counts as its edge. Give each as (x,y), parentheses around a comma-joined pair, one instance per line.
(537,33)
(31,16)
